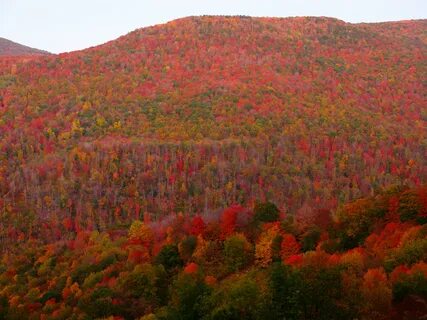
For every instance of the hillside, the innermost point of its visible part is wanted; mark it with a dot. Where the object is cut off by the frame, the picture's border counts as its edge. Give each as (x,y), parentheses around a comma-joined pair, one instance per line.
(203,112)
(10,48)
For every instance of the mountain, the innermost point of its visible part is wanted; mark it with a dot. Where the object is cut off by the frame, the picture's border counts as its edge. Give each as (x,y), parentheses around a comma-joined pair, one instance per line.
(218,168)
(203,112)
(10,48)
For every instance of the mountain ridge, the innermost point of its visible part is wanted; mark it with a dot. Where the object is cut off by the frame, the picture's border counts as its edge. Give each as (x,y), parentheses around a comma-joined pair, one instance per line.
(25,50)
(200,18)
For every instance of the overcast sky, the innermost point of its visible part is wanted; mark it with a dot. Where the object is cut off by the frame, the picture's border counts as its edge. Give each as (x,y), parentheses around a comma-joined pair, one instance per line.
(60,25)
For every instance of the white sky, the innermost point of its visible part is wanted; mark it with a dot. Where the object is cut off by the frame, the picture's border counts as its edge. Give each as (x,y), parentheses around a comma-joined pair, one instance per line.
(66,25)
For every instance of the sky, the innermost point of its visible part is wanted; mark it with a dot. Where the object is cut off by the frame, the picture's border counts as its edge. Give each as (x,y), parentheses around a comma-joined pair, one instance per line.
(67,25)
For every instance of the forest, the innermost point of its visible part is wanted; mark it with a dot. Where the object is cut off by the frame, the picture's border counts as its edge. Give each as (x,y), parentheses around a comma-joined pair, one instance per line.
(218,168)
(366,261)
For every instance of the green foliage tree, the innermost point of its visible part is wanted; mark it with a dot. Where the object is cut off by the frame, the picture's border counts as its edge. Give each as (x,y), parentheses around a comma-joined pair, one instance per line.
(310,239)
(265,212)
(285,289)
(238,252)
(236,299)
(187,246)
(169,257)
(187,294)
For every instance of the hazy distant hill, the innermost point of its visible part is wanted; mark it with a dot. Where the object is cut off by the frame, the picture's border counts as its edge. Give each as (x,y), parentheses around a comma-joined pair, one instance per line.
(10,48)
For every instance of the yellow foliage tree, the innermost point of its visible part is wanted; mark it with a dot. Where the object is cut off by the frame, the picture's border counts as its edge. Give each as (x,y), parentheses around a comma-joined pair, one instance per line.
(140,233)
(264,247)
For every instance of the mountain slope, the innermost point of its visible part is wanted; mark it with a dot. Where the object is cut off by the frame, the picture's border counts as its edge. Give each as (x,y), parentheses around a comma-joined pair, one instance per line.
(203,112)
(10,48)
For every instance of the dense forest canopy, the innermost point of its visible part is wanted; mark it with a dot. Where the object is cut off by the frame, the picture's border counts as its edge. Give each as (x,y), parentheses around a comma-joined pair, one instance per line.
(368,262)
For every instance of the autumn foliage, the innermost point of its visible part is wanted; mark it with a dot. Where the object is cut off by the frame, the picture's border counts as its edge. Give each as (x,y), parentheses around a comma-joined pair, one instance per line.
(202,113)
(100,274)
(218,168)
